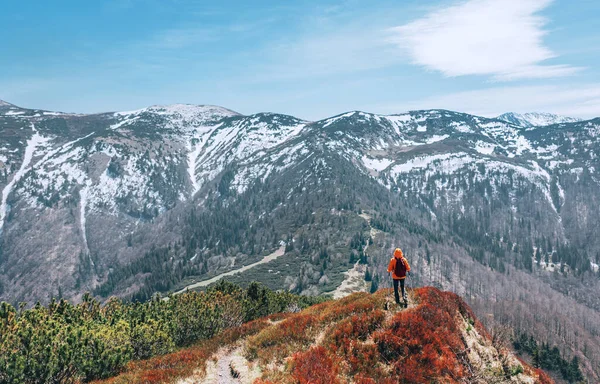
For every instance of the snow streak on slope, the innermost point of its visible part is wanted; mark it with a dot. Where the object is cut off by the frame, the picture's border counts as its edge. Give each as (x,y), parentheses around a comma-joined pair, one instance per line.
(195,147)
(83,195)
(32,144)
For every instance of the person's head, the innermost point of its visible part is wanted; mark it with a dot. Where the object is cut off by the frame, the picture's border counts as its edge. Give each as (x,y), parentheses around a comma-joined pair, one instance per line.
(398,253)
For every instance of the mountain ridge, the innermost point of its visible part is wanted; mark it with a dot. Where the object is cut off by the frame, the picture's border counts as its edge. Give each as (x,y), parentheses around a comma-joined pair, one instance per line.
(208,140)
(528,119)
(150,201)
(533,119)
(438,338)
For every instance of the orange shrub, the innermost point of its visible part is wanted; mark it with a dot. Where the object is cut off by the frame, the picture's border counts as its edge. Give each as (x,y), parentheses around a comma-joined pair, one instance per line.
(350,305)
(543,377)
(365,359)
(158,376)
(278,341)
(314,367)
(361,379)
(422,343)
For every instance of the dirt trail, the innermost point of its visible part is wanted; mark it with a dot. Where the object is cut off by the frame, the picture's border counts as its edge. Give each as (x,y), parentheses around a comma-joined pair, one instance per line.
(278,253)
(355,277)
(227,366)
(354,282)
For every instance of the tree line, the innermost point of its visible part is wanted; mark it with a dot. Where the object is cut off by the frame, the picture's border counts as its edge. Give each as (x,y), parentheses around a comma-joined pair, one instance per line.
(547,358)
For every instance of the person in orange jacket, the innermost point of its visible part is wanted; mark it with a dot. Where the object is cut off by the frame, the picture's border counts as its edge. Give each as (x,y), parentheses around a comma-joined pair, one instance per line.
(399,268)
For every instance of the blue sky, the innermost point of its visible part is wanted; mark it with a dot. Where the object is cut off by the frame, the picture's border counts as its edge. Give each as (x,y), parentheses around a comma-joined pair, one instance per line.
(310,59)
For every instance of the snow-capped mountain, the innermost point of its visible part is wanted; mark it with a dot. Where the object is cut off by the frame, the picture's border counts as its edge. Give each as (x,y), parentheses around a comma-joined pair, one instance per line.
(126,173)
(115,181)
(131,203)
(535,119)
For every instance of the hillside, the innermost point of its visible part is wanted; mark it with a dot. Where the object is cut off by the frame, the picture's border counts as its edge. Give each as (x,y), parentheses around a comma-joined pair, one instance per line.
(354,339)
(154,200)
(73,343)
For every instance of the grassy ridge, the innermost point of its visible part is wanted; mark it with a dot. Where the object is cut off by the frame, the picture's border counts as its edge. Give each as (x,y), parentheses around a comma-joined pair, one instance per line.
(354,340)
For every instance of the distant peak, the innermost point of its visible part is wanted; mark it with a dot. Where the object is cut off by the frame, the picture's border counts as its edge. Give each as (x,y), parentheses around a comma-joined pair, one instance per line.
(184,110)
(5,104)
(190,107)
(535,119)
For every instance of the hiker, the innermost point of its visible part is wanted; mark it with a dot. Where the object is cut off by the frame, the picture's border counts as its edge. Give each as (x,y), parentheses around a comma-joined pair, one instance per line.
(399,268)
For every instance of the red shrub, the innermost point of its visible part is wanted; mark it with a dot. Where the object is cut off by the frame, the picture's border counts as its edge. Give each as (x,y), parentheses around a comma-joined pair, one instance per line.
(279,341)
(422,343)
(543,377)
(357,327)
(279,316)
(364,359)
(361,379)
(452,304)
(314,367)
(391,347)
(158,376)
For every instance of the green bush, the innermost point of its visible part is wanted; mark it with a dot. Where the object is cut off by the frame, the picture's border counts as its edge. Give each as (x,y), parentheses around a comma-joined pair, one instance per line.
(150,339)
(65,343)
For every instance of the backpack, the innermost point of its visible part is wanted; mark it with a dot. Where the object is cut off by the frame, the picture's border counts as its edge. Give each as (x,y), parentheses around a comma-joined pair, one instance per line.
(400,268)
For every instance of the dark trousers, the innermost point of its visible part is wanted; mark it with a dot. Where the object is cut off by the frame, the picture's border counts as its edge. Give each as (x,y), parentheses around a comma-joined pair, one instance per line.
(396,290)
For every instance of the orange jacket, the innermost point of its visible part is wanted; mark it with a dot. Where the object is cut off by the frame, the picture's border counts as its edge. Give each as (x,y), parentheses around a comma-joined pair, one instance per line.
(398,257)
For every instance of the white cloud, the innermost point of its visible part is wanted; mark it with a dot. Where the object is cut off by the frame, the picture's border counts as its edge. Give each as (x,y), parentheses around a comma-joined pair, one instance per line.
(569,100)
(501,38)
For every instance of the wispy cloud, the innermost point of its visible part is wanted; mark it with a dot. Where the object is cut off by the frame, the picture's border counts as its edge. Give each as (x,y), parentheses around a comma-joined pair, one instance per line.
(327,54)
(569,99)
(503,39)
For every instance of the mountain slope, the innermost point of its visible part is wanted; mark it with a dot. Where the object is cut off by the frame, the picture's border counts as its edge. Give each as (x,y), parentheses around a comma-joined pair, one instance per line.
(437,339)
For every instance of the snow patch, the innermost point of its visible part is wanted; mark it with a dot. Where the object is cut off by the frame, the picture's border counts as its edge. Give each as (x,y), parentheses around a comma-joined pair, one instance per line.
(83,197)
(376,165)
(332,120)
(33,143)
(436,138)
(14,113)
(484,148)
